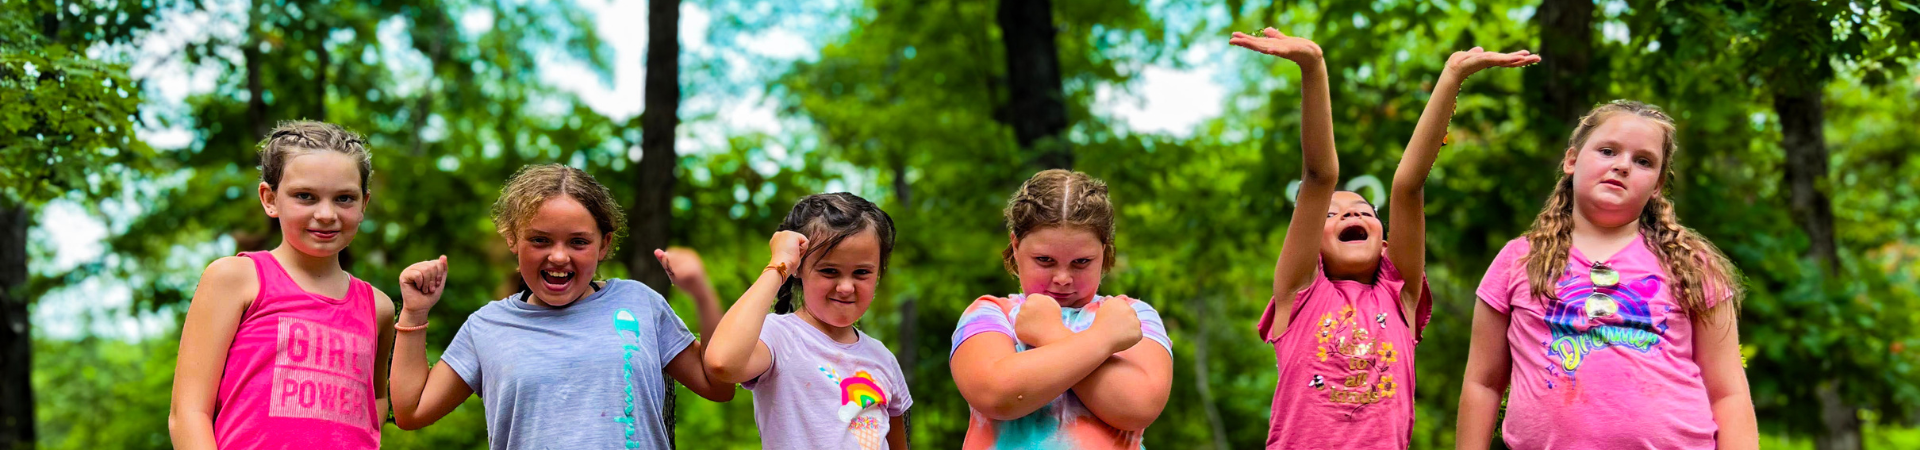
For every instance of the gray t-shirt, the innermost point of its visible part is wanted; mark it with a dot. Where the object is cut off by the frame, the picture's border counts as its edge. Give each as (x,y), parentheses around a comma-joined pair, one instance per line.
(822,394)
(587,375)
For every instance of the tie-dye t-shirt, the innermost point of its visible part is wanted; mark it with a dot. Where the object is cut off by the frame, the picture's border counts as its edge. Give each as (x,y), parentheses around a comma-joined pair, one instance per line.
(1064,423)
(820,394)
(1599,367)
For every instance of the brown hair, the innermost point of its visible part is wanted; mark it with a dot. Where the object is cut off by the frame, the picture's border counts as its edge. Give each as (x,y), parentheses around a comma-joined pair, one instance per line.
(826,220)
(532,185)
(1698,268)
(1060,198)
(299,137)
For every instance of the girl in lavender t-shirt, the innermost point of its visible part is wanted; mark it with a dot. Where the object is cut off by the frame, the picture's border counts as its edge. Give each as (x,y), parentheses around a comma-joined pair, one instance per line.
(1613,325)
(1343,319)
(818,382)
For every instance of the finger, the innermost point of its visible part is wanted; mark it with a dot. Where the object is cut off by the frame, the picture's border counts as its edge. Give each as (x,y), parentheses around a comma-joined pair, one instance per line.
(1272,33)
(1477,50)
(1522,53)
(1238,35)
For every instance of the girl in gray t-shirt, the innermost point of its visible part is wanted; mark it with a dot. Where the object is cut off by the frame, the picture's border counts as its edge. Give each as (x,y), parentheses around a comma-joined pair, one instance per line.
(818,382)
(568,362)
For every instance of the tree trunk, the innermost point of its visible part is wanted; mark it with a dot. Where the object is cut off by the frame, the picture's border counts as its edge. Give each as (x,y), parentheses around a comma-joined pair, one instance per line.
(16,332)
(1802,116)
(1037,108)
(907,352)
(653,207)
(1563,84)
(1202,376)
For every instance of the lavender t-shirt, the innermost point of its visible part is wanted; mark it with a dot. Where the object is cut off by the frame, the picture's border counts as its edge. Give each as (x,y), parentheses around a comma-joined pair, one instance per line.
(822,394)
(1620,378)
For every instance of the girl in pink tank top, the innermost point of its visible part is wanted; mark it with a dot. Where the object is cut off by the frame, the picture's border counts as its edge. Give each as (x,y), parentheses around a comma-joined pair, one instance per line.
(283,349)
(1344,319)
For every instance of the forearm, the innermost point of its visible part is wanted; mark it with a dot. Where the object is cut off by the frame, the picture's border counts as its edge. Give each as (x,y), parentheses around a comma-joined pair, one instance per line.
(706,304)
(730,346)
(1124,393)
(407,380)
(1738,428)
(1316,127)
(1479,413)
(1022,382)
(1428,134)
(191,430)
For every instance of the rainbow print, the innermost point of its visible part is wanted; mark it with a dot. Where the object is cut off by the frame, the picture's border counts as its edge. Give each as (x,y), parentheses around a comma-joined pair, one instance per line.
(860,390)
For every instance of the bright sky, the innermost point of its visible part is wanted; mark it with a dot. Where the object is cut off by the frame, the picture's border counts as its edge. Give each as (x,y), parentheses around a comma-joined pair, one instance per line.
(1163,100)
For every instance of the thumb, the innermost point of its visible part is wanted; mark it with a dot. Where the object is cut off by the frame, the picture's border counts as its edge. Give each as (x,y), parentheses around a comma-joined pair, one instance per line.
(1272,33)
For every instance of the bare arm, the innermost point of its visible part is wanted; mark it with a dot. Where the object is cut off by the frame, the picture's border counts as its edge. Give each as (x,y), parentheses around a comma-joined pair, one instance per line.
(735,354)
(689,273)
(1006,385)
(1716,348)
(1130,389)
(1408,248)
(226,289)
(421,397)
(382,358)
(1488,366)
(897,432)
(1300,252)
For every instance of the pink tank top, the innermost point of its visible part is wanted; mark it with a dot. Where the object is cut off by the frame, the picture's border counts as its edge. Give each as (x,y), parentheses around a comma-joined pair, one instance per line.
(299,373)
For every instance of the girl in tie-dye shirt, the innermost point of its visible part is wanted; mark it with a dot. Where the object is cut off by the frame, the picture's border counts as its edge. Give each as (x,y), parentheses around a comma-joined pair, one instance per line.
(1058,366)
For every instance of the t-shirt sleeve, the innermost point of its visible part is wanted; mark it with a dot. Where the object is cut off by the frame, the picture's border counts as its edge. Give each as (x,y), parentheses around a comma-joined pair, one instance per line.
(460,354)
(668,329)
(1497,286)
(986,315)
(1151,326)
(901,398)
(1422,308)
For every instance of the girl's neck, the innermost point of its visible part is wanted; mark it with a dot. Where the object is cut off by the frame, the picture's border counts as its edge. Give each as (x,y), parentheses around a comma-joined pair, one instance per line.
(316,268)
(1600,241)
(844,335)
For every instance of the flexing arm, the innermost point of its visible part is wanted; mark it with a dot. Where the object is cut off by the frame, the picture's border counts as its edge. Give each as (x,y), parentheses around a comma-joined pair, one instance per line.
(735,354)
(689,273)
(226,288)
(1300,252)
(421,397)
(1408,247)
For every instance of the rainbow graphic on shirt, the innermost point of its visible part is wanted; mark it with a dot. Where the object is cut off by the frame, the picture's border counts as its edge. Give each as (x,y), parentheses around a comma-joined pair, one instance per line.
(1636,325)
(861,399)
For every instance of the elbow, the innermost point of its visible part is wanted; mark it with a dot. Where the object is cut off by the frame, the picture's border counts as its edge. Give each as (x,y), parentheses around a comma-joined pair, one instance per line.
(718,392)
(1325,177)
(724,372)
(406,422)
(1132,422)
(1002,403)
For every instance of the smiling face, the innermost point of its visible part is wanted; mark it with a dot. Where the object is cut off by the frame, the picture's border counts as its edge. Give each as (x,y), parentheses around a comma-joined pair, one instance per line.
(1352,238)
(558,251)
(1060,262)
(838,284)
(319,204)
(1617,169)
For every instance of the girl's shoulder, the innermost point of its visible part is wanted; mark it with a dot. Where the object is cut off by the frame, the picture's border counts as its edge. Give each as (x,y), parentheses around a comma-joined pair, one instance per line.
(237,279)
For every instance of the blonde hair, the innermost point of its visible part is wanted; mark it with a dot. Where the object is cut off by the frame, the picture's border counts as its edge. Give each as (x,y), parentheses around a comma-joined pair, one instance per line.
(533,185)
(300,137)
(1697,267)
(1058,197)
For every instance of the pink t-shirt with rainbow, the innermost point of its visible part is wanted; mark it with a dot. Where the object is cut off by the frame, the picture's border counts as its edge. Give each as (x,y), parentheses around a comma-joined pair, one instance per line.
(1601,366)
(299,373)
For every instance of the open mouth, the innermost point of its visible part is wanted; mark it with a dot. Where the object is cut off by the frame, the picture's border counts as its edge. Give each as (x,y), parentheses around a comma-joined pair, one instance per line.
(556,280)
(1353,233)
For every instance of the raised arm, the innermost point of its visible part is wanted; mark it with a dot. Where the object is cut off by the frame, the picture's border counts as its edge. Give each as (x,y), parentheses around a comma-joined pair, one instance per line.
(1300,252)
(1408,246)
(421,397)
(689,273)
(219,303)
(735,353)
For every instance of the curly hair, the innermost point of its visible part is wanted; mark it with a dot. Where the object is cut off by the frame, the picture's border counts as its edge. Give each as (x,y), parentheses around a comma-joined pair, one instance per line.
(532,185)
